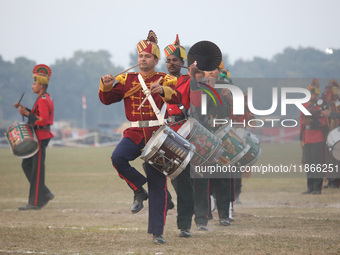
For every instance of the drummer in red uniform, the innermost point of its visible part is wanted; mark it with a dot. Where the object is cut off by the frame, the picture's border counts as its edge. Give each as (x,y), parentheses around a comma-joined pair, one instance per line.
(312,140)
(183,184)
(41,117)
(144,122)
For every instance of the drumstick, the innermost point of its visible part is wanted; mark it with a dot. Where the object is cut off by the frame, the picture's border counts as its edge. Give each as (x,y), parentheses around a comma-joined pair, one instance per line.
(126,70)
(185,67)
(148,94)
(21,98)
(123,72)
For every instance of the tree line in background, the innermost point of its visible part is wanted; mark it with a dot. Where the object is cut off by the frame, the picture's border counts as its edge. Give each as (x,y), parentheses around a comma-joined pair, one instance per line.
(79,75)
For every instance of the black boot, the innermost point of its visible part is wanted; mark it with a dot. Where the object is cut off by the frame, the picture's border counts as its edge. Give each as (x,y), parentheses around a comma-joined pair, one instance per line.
(140,196)
(158,239)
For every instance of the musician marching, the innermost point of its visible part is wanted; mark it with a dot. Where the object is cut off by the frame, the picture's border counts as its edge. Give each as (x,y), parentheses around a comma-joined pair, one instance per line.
(41,117)
(313,139)
(144,121)
(183,184)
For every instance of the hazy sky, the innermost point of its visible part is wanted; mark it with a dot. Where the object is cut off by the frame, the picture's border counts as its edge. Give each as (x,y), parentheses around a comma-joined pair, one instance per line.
(45,31)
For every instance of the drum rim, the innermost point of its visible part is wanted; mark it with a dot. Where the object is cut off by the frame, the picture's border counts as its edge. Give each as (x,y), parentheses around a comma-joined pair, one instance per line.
(332,149)
(182,166)
(29,155)
(255,159)
(223,130)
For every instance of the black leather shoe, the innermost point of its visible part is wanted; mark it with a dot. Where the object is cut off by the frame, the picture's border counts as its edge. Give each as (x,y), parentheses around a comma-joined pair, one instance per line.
(202,228)
(306,192)
(224,222)
(316,192)
(29,207)
(158,239)
(140,196)
(185,233)
(48,197)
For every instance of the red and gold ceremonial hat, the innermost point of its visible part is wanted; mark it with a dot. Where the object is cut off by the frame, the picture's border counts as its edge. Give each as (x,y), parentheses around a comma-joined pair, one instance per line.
(314,87)
(175,49)
(42,74)
(149,45)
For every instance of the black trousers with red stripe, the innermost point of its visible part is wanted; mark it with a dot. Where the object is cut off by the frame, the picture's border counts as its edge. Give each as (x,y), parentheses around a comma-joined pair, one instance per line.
(34,169)
(127,151)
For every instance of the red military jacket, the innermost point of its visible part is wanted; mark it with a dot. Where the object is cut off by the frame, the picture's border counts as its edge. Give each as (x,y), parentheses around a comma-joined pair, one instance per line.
(310,134)
(183,86)
(41,116)
(128,81)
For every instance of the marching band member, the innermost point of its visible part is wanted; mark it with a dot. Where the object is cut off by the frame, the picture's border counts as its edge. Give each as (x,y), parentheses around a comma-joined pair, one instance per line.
(183,184)
(312,140)
(41,117)
(223,188)
(143,123)
(237,181)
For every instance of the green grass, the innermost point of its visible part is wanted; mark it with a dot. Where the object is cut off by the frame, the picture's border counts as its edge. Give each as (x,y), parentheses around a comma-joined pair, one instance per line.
(91,212)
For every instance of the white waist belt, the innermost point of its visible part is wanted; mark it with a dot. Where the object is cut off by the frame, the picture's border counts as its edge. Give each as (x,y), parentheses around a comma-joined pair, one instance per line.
(145,123)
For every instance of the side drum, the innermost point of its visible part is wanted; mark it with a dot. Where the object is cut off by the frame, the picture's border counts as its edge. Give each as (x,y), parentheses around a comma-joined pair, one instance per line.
(209,150)
(168,152)
(22,140)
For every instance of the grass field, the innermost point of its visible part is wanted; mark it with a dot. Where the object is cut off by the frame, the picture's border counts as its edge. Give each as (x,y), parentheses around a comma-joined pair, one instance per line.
(91,212)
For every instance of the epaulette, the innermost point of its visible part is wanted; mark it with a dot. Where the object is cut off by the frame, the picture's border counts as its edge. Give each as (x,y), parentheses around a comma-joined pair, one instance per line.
(169,80)
(122,78)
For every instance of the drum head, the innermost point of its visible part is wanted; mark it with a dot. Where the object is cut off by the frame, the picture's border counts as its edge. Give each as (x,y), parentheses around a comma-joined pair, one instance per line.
(26,149)
(155,141)
(336,151)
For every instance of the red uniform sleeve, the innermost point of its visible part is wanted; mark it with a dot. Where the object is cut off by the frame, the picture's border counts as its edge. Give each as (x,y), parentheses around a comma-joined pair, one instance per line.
(112,95)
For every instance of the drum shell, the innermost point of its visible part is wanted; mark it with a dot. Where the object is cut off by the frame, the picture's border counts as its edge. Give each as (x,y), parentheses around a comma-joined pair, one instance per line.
(235,148)
(254,151)
(168,152)
(22,140)
(209,150)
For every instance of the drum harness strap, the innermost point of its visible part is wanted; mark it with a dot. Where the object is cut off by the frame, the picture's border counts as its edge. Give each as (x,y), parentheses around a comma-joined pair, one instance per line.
(174,119)
(159,113)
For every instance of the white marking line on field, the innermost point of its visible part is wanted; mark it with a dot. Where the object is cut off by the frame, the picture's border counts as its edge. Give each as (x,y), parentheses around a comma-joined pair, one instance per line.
(24,252)
(106,229)
(301,218)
